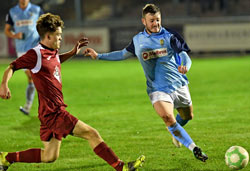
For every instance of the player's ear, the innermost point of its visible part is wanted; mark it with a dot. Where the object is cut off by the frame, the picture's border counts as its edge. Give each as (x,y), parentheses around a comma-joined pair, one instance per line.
(47,36)
(143,20)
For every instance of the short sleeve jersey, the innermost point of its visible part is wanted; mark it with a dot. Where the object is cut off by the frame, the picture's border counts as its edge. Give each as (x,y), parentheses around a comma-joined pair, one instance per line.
(25,21)
(45,67)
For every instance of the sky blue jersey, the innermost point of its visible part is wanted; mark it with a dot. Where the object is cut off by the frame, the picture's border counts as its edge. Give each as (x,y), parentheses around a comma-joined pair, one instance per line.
(25,21)
(160,54)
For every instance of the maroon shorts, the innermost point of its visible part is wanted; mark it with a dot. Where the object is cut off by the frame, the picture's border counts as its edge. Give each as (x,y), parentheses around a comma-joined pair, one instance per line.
(57,125)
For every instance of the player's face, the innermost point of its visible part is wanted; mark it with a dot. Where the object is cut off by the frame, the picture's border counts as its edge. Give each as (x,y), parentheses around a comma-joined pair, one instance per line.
(152,22)
(23,3)
(55,38)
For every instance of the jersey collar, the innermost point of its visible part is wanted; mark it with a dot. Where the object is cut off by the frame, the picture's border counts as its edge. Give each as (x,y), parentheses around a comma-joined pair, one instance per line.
(45,47)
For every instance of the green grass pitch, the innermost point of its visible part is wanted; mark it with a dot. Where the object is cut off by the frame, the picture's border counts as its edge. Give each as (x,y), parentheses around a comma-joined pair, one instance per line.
(111,97)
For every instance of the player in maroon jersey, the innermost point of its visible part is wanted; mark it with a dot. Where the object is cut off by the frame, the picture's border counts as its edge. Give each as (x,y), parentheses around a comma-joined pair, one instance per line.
(44,62)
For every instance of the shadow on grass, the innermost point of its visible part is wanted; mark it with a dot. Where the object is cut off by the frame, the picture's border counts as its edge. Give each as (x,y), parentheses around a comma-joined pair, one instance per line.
(85,167)
(187,169)
(185,166)
(31,125)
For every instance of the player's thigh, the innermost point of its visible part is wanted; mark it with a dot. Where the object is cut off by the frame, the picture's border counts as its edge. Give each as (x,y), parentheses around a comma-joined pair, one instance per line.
(186,113)
(83,130)
(51,149)
(163,108)
(166,111)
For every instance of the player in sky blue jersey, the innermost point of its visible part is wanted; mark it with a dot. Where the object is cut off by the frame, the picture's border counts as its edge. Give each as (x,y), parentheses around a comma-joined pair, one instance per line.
(21,26)
(163,56)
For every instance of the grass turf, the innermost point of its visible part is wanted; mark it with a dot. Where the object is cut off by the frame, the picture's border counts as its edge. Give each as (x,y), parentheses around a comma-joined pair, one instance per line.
(111,97)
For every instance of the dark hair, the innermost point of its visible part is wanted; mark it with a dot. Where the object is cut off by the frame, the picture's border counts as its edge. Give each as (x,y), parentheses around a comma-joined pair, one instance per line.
(150,8)
(48,23)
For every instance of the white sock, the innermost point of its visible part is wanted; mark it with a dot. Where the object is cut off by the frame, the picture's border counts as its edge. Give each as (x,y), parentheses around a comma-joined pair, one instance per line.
(191,146)
(28,105)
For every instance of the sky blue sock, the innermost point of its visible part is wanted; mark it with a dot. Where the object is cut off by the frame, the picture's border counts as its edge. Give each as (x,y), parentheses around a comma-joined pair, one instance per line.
(180,120)
(180,134)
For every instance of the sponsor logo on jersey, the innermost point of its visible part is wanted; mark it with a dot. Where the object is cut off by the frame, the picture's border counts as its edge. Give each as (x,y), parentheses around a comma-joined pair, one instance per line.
(162,42)
(49,58)
(31,14)
(21,23)
(156,53)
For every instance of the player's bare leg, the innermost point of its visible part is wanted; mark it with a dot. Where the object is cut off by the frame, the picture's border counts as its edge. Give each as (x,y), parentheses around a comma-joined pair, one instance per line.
(51,150)
(34,155)
(30,93)
(85,131)
(165,111)
(186,113)
(167,115)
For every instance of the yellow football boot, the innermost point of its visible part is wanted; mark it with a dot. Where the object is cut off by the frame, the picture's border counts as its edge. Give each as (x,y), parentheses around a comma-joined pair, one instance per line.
(4,164)
(134,165)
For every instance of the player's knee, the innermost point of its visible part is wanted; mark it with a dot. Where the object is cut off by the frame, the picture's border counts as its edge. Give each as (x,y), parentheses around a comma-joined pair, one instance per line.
(93,133)
(188,117)
(191,116)
(86,132)
(168,119)
(51,158)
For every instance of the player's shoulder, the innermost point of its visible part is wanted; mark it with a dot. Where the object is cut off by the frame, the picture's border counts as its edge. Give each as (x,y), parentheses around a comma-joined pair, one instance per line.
(168,31)
(173,32)
(139,35)
(35,49)
(35,8)
(31,52)
(14,8)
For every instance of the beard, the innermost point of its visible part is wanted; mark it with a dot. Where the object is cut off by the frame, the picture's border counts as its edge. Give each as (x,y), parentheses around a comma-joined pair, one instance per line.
(151,30)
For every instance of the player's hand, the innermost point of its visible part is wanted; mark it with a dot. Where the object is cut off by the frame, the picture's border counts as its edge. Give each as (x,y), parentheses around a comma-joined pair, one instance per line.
(19,35)
(182,69)
(90,52)
(82,42)
(5,92)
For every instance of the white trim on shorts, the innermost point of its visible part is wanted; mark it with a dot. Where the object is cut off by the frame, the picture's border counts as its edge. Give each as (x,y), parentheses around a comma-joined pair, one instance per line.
(179,98)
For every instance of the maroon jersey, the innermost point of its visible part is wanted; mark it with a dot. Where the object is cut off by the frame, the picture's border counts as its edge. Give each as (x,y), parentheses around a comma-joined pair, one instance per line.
(45,67)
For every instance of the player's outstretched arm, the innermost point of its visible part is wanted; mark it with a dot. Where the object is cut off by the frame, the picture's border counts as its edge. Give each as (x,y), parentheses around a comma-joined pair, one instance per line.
(81,43)
(90,52)
(111,56)
(4,89)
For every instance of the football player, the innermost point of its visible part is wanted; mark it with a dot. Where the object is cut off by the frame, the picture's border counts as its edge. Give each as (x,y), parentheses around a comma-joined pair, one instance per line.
(163,55)
(44,62)
(21,26)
